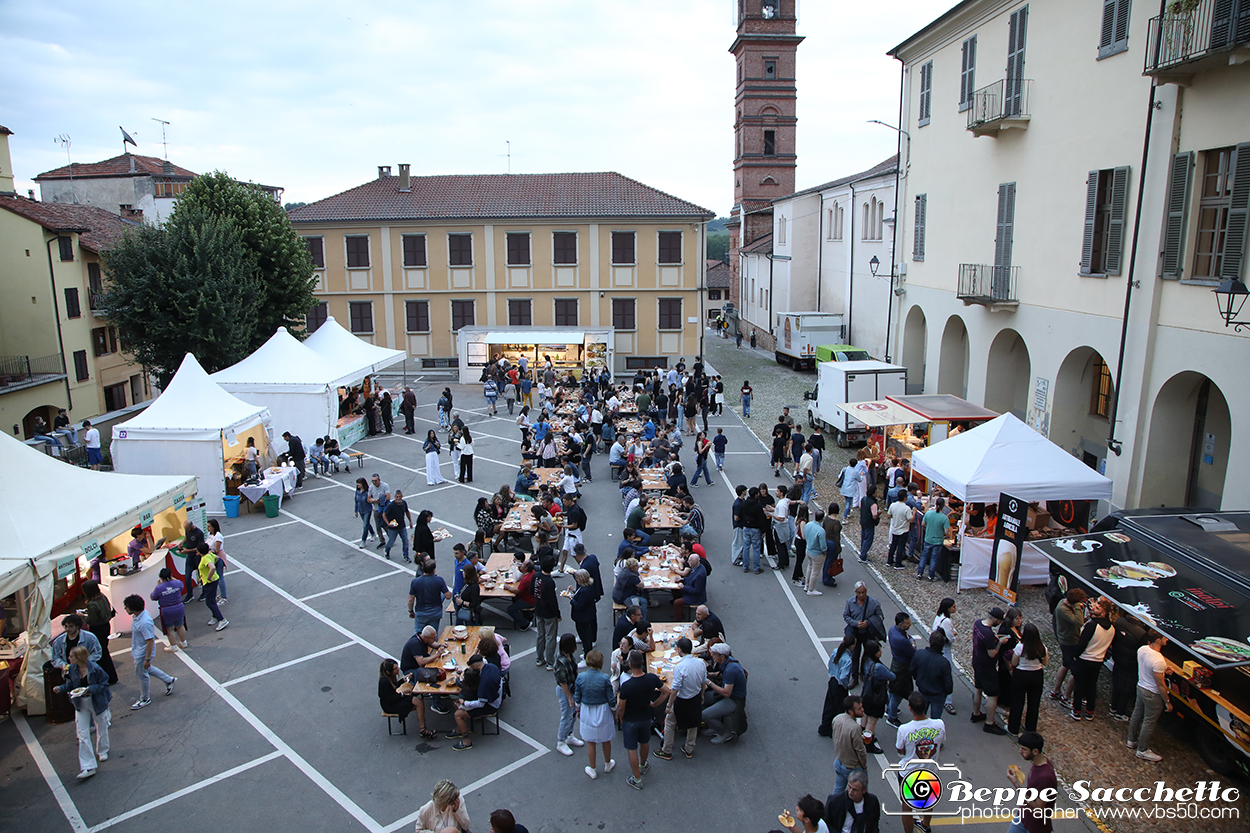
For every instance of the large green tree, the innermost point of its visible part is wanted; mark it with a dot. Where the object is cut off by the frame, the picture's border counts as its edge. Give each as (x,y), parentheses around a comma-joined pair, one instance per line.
(189,286)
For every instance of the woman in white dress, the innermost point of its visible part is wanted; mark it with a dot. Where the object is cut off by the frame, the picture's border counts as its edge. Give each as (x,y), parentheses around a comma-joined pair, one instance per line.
(595,700)
(432,447)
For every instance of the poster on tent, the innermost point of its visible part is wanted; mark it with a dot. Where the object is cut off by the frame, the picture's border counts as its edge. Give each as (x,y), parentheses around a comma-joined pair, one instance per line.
(1010,535)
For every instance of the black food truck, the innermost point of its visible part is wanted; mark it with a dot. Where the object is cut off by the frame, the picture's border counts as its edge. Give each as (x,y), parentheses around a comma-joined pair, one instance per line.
(1188,576)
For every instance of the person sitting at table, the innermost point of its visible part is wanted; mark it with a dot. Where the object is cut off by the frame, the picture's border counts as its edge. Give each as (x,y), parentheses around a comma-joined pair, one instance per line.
(691,518)
(630,489)
(543,518)
(677,483)
(526,479)
(725,707)
(507,496)
(486,702)
(398,704)
(419,652)
(648,430)
(445,812)
(628,587)
(693,588)
(548,451)
(634,544)
(522,607)
(616,453)
(637,449)
(469,600)
(335,455)
(706,627)
(635,516)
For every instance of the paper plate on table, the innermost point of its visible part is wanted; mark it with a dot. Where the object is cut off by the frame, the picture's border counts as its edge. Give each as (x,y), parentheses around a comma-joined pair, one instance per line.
(449,665)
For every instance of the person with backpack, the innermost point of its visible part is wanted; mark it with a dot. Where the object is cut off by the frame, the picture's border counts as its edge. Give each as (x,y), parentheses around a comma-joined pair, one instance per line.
(444,409)
(490,389)
(869,517)
(875,693)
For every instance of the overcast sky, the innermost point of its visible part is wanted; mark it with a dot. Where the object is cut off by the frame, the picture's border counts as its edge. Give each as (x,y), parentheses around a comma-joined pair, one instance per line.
(313,96)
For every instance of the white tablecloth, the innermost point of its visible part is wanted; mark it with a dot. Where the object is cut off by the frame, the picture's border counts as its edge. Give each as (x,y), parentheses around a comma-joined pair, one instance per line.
(274,483)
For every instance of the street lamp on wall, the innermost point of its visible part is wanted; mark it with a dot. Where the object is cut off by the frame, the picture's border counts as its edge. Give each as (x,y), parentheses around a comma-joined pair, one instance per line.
(1230,297)
(875,264)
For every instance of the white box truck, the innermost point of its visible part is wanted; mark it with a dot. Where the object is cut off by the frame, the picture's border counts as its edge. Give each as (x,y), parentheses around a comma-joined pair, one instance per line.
(798,334)
(840,382)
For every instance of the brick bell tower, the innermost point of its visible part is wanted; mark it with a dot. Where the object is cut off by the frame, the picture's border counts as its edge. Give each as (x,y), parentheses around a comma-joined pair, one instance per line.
(764,122)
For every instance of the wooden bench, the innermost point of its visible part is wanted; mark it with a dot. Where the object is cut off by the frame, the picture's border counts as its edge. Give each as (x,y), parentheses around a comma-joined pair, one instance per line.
(358,456)
(617,607)
(402,724)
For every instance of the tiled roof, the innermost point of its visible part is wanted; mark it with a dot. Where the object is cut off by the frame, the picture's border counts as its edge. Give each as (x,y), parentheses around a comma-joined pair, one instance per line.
(717,274)
(98,229)
(763,245)
(889,166)
(477,196)
(115,167)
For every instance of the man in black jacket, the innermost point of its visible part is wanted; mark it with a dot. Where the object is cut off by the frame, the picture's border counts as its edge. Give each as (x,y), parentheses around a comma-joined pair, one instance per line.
(295,446)
(932,673)
(863,806)
(546,612)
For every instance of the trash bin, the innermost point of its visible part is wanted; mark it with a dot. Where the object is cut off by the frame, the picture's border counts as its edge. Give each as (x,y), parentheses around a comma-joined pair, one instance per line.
(60,709)
(232,506)
(271,506)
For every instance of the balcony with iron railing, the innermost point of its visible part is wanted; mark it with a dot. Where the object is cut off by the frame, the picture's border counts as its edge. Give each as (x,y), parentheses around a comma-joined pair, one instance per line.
(1194,35)
(988,285)
(17,372)
(1003,105)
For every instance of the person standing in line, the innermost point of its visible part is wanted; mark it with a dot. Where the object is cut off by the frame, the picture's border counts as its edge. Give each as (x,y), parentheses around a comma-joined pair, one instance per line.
(432,447)
(90,707)
(816,545)
(566,679)
(986,645)
(841,680)
(466,457)
(209,576)
(408,407)
(685,701)
(582,608)
(1129,636)
(190,550)
(869,517)
(1034,816)
(173,613)
(639,694)
(388,412)
(217,543)
(1069,620)
(817,440)
(1152,696)
(397,518)
(900,525)
(931,670)
(919,740)
(936,526)
(864,618)
(782,527)
(546,613)
(746,400)
(781,444)
(849,750)
(91,439)
(848,483)
(833,547)
(1091,650)
(364,510)
(944,623)
(99,616)
(142,649)
(295,447)
(596,701)
(902,650)
(1028,661)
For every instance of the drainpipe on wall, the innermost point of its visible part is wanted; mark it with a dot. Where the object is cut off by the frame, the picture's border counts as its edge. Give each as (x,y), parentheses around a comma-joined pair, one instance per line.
(56,311)
(850,270)
(820,245)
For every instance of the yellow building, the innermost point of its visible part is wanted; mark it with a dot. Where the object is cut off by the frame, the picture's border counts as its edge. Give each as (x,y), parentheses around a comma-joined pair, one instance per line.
(406,262)
(55,349)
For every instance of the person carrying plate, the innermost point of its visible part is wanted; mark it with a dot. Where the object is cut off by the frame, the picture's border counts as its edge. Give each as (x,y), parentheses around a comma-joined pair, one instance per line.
(88,686)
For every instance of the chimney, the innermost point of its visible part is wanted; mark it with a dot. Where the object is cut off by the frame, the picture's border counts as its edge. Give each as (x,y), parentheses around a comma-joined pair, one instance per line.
(167,168)
(384,170)
(131,213)
(405,181)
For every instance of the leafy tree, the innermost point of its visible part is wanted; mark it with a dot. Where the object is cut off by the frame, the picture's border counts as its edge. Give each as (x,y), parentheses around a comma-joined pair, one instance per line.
(718,246)
(284,267)
(190,286)
(291,206)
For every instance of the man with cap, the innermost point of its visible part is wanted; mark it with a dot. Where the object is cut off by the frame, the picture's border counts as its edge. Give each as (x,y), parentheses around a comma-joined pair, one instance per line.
(729,695)
(986,645)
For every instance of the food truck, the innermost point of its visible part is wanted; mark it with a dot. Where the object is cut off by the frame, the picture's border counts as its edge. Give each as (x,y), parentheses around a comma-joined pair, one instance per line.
(1187,575)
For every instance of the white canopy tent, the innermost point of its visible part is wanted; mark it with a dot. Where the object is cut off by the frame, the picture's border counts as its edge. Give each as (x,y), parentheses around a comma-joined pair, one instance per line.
(37,534)
(1006,456)
(354,358)
(191,428)
(298,385)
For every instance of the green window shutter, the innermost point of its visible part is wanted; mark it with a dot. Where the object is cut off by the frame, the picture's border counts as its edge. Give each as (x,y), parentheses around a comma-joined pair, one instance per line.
(1238,213)
(1115,224)
(1177,208)
(1091,211)
(918,234)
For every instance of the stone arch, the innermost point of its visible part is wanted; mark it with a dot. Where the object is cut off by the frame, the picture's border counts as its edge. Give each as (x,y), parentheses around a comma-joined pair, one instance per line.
(1081,405)
(768,180)
(915,334)
(769,111)
(1007,374)
(954,358)
(1187,450)
(48,412)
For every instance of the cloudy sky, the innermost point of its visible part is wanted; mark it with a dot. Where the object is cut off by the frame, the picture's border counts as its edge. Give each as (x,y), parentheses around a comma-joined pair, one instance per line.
(312,96)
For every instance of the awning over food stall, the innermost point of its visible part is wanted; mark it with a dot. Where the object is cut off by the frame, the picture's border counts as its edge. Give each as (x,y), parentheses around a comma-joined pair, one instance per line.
(353,358)
(1005,455)
(37,534)
(943,407)
(879,413)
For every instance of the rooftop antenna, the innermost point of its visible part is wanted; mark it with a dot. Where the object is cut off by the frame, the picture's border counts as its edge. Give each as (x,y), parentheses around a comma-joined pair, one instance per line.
(509,154)
(64,141)
(164,124)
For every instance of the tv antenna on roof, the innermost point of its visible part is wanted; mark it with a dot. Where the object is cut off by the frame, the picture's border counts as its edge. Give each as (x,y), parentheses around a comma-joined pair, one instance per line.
(64,141)
(164,124)
(508,154)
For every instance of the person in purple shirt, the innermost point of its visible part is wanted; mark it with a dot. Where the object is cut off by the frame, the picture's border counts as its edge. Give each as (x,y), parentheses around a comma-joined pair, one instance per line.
(168,594)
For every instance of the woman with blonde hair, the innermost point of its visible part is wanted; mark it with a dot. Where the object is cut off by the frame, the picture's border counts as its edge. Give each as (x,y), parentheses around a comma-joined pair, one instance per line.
(595,701)
(444,812)
(493,648)
(91,707)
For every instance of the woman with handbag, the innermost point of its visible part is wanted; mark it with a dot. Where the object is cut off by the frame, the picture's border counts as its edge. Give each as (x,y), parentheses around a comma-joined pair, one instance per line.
(432,447)
(99,615)
(875,694)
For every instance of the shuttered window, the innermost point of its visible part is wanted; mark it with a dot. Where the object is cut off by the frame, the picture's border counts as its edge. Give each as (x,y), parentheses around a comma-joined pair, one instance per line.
(968,73)
(361,315)
(1230,23)
(1177,208)
(66,246)
(1003,240)
(926,93)
(73,309)
(519,313)
(81,371)
(623,248)
(623,314)
(461,314)
(922,210)
(670,314)
(1221,233)
(460,249)
(358,251)
(417,314)
(564,248)
(518,248)
(1113,36)
(317,251)
(316,317)
(1239,208)
(566,312)
(414,250)
(1106,201)
(1013,92)
(670,248)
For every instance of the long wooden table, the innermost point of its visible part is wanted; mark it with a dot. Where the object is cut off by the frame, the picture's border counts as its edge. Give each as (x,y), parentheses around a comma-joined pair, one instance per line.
(549,477)
(665,635)
(498,572)
(662,515)
(653,479)
(655,570)
(455,661)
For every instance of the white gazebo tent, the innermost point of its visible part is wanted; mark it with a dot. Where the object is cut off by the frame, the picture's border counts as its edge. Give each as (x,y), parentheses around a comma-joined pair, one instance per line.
(193,427)
(40,538)
(352,356)
(298,385)
(1006,456)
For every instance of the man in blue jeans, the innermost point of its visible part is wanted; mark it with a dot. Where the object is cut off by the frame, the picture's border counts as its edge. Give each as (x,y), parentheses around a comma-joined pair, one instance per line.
(753,521)
(849,753)
(426,596)
(936,525)
(869,517)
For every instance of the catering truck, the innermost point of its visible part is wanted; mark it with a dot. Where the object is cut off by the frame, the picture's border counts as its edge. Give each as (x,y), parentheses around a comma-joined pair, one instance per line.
(838,383)
(1184,573)
(798,334)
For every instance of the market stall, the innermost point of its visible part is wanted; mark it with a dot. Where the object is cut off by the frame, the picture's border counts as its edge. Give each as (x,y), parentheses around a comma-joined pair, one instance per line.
(354,361)
(1006,456)
(570,348)
(46,550)
(193,427)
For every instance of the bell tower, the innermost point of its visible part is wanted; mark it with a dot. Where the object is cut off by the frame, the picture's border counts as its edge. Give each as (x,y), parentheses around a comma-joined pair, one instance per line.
(764,121)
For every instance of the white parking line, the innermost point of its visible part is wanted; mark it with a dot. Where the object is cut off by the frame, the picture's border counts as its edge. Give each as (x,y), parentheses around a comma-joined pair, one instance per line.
(286,664)
(355,584)
(347,543)
(265,528)
(49,774)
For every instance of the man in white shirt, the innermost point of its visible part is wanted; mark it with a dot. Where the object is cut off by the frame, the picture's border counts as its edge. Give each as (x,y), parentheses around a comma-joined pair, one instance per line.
(685,701)
(614,404)
(919,741)
(1152,696)
(92,440)
(900,529)
(782,527)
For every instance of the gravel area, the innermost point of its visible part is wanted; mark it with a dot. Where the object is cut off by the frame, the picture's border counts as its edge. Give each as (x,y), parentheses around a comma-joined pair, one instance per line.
(1091,751)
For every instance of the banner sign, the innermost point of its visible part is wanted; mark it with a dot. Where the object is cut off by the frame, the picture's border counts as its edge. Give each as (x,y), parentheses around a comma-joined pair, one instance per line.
(180,500)
(91,549)
(1010,535)
(145,520)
